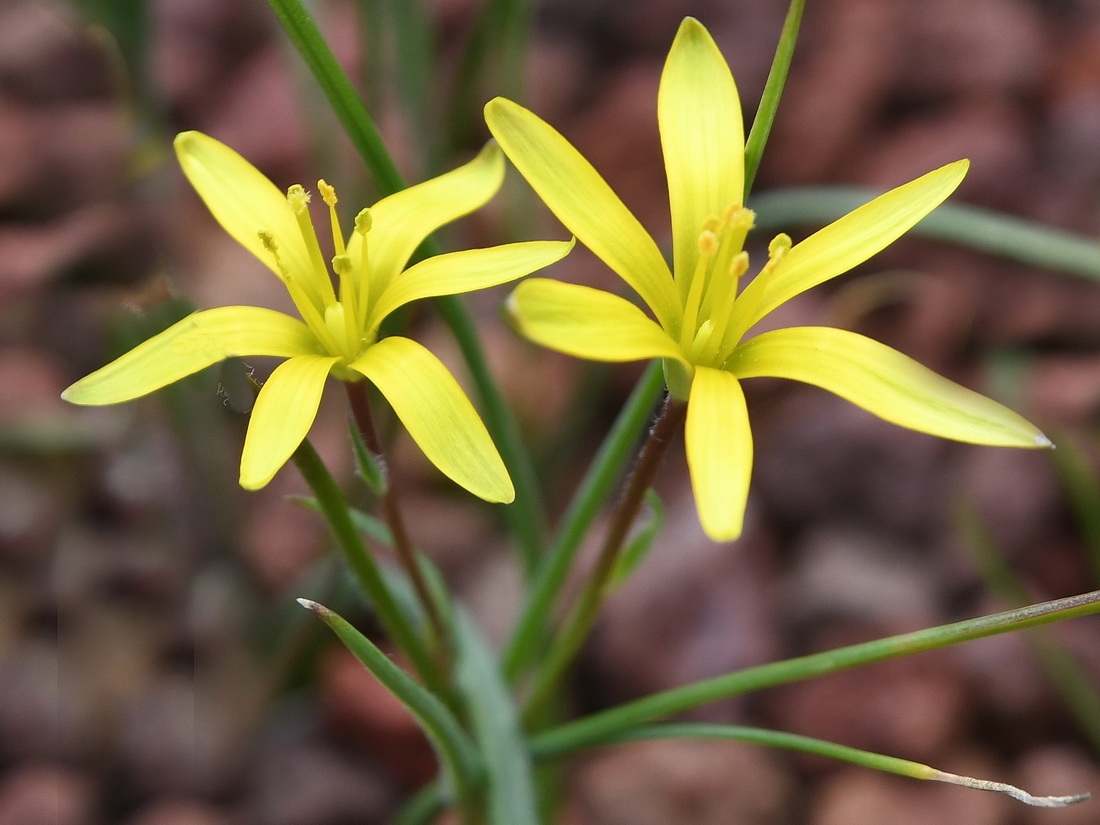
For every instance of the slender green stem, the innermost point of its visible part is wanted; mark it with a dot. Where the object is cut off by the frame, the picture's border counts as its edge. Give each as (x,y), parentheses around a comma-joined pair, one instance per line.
(402,544)
(357,122)
(773,91)
(597,728)
(335,510)
(525,513)
(967,226)
(593,490)
(583,615)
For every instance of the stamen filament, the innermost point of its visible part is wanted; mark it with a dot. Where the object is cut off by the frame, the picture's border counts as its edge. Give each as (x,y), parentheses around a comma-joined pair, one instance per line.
(298,198)
(779,247)
(722,307)
(328,195)
(708,244)
(363,223)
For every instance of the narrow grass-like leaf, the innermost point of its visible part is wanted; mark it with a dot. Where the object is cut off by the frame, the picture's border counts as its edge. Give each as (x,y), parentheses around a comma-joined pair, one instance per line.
(456,752)
(773,90)
(967,226)
(831,750)
(495,717)
(598,727)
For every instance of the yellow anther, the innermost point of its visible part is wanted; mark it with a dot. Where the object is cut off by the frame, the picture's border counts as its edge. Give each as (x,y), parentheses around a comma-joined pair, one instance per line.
(708,243)
(779,246)
(363,222)
(298,198)
(740,219)
(328,193)
(268,240)
(341,265)
(739,265)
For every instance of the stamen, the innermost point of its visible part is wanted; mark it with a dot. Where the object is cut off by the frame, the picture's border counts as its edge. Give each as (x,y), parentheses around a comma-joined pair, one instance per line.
(722,306)
(363,223)
(298,198)
(708,245)
(328,195)
(341,265)
(780,245)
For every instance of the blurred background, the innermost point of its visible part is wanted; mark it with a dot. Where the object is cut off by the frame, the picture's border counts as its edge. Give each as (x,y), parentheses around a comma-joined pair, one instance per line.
(154,668)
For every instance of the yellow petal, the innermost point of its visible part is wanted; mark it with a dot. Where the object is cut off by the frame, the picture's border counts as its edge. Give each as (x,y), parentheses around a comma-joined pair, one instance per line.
(845,243)
(584,202)
(587,323)
(189,345)
(466,271)
(243,200)
(401,221)
(885,382)
(284,412)
(719,452)
(438,415)
(703,140)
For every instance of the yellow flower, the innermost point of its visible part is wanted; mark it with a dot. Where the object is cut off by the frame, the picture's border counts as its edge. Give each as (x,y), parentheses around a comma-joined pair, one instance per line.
(701,315)
(338,330)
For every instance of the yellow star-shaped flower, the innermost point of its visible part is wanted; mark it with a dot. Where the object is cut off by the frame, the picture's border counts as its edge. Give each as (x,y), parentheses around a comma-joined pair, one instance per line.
(338,330)
(701,315)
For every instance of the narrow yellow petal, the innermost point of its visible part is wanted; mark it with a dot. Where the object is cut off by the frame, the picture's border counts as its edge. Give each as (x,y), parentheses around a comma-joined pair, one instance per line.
(885,382)
(400,222)
(243,201)
(719,452)
(587,323)
(846,243)
(284,412)
(703,140)
(189,345)
(438,415)
(584,202)
(466,271)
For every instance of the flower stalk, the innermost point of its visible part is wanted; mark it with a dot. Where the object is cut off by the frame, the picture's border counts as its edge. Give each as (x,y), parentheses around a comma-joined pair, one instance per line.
(597,584)
(359,400)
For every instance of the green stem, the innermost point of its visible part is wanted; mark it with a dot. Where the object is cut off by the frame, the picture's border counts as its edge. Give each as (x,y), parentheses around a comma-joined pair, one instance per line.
(593,490)
(341,95)
(401,542)
(525,514)
(773,91)
(967,226)
(583,615)
(335,510)
(597,728)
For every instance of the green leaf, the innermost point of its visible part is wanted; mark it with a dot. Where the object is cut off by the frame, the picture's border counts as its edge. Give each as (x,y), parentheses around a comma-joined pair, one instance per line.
(831,750)
(596,728)
(497,730)
(456,752)
(639,546)
(773,90)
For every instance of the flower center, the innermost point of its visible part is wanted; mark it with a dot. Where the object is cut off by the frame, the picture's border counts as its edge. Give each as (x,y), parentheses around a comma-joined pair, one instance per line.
(713,285)
(338,319)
